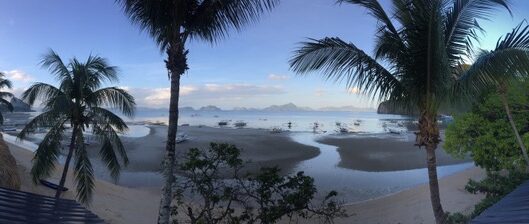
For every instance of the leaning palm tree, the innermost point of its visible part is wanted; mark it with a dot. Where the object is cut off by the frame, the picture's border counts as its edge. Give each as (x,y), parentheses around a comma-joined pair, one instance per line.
(492,62)
(5,84)
(419,52)
(172,23)
(82,103)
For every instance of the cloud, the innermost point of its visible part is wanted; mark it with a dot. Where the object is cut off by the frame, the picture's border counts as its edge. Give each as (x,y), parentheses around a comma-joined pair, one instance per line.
(276,77)
(353,90)
(17,75)
(320,92)
(202,94)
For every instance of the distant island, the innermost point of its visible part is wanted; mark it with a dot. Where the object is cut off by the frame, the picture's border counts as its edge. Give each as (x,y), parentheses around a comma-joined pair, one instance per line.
(18,106)
(289,107)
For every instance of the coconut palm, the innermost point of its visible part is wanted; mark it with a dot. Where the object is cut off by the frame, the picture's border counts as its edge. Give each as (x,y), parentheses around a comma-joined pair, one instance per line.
(418,58)
(5,84)
(172,23)
(492,62)
(81,102)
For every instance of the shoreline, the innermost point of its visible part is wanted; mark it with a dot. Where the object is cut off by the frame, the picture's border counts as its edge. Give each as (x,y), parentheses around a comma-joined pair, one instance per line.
(109,198)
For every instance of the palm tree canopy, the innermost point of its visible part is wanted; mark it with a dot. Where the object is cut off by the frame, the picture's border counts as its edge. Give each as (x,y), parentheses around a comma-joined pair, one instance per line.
(5,84)
(210,20)
(419,51)
(81,101)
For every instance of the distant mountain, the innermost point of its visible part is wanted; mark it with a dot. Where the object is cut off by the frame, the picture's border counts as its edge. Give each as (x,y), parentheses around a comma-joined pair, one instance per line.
(347,108)
(210,108)
(286,107)
(18,106)
(245,109)
(186,109)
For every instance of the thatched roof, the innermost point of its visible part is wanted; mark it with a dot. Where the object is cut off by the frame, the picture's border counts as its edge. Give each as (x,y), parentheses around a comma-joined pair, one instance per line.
(8,167)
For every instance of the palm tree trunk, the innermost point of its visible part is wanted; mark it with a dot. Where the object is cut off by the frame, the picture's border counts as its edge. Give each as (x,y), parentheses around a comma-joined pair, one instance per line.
(513,126)
(177,65)
(67,163)
(434,184)
(428,136)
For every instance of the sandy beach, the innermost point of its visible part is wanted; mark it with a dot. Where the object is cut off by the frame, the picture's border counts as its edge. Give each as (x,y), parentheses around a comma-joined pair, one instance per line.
(117,204)
(121,204)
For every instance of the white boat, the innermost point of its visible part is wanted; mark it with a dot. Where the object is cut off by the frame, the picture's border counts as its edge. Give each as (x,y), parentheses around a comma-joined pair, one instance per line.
(239,124)
(9,129)
(182,138)
(276,130)
(394,131)
(343,130)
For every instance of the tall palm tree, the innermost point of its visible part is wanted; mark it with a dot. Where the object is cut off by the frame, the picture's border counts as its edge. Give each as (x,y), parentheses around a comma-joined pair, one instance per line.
(81,102)
(5,84)
(419,52)
(171,23)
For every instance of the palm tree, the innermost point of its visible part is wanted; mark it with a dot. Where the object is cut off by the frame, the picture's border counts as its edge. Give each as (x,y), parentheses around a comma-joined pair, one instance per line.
(417,64)
(80,102)
(507,70)
(5,84)
(171,23)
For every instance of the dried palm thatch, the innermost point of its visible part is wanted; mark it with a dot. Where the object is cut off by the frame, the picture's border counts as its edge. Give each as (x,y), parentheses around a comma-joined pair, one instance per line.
(8,167)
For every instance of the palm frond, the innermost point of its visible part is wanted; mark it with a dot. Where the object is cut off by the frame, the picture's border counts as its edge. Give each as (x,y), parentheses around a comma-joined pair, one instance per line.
(7,104)
(115,98)
(53,62)
(111,143)
(100,116)
(5,83)
(45,119)
(161,19)
(110,159)
(508,61)
(84,173)
(47,153)
(376,10)
(40,90)
(99,70)
(462,28)
(212,20)
(340,61)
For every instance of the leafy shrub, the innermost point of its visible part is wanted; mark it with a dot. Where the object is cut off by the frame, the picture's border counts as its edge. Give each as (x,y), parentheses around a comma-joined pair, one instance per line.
(205,196)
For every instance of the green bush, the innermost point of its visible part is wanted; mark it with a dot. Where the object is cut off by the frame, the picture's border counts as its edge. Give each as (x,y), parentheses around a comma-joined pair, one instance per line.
(205,195)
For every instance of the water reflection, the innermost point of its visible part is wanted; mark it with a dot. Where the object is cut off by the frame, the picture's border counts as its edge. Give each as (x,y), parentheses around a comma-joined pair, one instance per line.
(354,185)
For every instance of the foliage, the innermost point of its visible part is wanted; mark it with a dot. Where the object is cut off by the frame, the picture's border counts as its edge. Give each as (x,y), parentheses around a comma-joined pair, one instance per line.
(485,133)
(203,196)
(80,102)
(5,84)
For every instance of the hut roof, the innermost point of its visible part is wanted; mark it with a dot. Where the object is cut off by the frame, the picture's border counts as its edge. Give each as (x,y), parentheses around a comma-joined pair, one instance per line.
(18,207)
(513,208)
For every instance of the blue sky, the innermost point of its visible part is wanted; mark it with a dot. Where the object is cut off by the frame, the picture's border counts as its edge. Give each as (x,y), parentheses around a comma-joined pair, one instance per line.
(249,68)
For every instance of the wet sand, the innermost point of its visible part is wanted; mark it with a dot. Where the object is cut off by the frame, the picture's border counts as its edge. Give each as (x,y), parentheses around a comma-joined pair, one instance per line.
(259,147)
(384,153)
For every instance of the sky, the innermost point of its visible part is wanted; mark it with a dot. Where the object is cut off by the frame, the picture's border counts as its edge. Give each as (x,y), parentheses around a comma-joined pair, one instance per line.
(247,69)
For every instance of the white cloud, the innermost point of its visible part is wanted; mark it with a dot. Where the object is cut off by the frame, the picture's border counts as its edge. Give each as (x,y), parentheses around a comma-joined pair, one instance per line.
(353,90)
(276,77)
(202,94)
(320,92)
(17,75)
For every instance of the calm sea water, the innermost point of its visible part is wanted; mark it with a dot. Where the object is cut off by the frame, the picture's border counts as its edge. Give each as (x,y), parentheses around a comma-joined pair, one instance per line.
(303,121)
